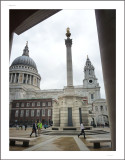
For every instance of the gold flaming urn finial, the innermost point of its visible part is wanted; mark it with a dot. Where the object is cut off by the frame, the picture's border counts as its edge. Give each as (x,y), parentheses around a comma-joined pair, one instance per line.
(68,34)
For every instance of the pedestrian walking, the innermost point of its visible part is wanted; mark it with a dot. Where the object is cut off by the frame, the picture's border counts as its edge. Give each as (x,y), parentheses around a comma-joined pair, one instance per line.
(45,126)
(82,130)
(25,127)
(34,128)
(39,127)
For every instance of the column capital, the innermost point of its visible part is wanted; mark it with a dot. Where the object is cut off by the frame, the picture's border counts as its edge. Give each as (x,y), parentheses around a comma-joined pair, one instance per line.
(68,42)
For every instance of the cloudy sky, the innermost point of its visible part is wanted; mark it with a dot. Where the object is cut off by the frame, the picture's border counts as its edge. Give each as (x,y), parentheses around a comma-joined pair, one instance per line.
(47,48)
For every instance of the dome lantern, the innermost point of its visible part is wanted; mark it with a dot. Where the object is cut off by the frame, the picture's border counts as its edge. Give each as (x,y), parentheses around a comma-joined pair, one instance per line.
(26,50)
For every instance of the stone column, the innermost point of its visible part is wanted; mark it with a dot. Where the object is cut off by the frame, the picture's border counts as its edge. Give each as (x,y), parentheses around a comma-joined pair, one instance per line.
(30,80)
(26,78)
(15,78)
(33,80)
(11,77)
(68,43)
(106,27)
(23,78)
(19,78)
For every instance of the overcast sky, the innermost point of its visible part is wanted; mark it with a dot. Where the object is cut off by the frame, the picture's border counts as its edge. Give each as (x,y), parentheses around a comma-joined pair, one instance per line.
(47,48)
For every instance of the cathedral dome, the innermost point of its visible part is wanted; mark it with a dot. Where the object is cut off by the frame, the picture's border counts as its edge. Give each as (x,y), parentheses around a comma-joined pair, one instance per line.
(23,71)
(24,60)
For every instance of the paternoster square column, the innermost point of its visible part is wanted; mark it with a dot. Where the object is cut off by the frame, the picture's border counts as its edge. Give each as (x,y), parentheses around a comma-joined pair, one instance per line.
(68,43)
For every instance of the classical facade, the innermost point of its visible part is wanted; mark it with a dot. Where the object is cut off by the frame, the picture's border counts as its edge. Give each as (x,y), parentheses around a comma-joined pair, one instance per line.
(70,105)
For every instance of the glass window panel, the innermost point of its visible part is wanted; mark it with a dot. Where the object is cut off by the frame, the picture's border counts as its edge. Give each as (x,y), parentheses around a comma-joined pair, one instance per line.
(21,113)
(43,112)
(22,104)
(16,113)
(38,113)
(27,113)
(17,104)
(32,113)
(33,104)
(28,104)
(43,104)
(49,103)
(38,103)
(49,112)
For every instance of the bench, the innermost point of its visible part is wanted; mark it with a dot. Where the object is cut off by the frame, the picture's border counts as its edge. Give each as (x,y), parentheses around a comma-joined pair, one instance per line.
(96,142)
(24,140)
(88,128)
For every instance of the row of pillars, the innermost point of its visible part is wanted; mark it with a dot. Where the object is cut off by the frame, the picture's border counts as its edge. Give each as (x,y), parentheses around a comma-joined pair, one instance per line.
(100,109)
(24,78)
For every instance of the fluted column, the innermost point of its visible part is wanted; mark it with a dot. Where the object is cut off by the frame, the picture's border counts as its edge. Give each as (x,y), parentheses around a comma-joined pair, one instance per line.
(19,78)
(11,78)
(15,78)
(22,78)
(26,78)
(30,80)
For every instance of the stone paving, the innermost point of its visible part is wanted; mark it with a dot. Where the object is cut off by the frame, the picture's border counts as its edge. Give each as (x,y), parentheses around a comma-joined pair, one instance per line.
(59,142)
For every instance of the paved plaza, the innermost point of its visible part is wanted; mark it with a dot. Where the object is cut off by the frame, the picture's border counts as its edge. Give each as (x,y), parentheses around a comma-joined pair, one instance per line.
(50,140)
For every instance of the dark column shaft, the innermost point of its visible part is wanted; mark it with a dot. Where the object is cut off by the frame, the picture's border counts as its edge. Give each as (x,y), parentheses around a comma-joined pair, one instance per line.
(106,26)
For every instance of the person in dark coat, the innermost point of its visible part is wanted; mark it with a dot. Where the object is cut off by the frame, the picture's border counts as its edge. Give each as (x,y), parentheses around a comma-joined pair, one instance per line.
(25,127)
(34,128)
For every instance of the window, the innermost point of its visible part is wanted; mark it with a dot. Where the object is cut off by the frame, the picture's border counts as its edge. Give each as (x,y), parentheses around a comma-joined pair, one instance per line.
(38,103)
(33,104)
(101,108)
(27,113)
(43,104)
(49,112)
(38,113)
(21,113)
(92,96)
(28,104)
(17,104)
(32,113)
(49,103)
(16,113)
(22,104)
(43,112)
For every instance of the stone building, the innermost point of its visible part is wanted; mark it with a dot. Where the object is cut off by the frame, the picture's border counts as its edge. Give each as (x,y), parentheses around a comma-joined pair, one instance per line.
(70,105)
